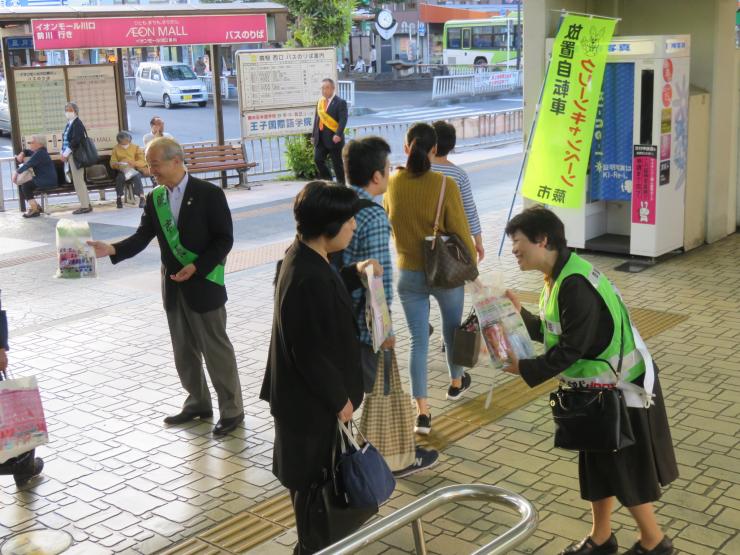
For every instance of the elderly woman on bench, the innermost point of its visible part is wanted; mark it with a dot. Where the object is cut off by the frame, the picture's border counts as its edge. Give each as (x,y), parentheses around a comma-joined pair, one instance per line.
(36,171)
(129,160)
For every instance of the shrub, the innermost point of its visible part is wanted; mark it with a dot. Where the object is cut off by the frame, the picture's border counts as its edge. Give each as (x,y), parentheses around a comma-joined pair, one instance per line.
(299,157)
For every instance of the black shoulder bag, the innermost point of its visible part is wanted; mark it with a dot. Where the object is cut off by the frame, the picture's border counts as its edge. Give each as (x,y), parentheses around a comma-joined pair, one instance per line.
(86,154)
(592,419)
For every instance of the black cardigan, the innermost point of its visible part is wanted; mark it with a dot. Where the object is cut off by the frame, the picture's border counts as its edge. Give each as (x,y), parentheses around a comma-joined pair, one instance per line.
(313,364)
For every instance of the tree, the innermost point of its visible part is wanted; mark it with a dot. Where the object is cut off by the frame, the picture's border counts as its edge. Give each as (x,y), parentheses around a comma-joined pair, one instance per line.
(321,22)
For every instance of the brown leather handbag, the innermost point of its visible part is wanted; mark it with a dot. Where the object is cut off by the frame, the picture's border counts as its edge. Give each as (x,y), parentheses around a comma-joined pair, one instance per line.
(447,262)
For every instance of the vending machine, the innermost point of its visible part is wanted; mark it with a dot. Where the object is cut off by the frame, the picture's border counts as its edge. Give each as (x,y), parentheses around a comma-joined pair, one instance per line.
(637,173)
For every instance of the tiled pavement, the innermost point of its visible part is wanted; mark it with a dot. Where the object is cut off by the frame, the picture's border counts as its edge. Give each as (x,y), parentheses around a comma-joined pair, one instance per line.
(119,482)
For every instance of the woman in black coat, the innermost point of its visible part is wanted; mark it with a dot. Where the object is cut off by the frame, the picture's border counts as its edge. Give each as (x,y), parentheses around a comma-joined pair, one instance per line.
(313,373)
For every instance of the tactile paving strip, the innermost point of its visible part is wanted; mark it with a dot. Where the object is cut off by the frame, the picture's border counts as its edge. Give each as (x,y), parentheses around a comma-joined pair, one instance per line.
(239,260)
(194,546)
(275,515)
(24,259)
(240,533)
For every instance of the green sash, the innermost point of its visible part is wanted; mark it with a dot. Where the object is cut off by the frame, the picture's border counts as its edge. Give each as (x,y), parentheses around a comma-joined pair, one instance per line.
(169,228)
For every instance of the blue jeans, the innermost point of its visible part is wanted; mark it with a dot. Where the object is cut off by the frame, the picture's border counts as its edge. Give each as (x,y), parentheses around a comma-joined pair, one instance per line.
(414,294)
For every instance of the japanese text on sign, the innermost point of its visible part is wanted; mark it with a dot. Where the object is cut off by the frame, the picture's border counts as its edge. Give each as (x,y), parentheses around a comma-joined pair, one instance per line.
(109,32)
(558,159)
(278,89)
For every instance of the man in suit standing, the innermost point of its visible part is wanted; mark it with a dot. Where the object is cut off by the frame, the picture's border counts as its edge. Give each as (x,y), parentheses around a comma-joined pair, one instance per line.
(328,131)
(192,222)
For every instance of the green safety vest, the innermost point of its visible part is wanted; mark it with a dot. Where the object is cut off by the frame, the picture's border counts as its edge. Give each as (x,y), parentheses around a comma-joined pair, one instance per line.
(599,370)
(169,228)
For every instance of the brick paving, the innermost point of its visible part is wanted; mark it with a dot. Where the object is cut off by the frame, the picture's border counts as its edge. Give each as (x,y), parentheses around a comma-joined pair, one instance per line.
(120,482)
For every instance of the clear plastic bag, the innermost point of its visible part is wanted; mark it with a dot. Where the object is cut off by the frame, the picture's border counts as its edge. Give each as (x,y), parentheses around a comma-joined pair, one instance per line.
(501,325)
(75,258)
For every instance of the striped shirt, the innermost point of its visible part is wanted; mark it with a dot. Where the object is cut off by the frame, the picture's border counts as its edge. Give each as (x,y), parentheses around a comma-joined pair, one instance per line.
(463,183)
(370,240)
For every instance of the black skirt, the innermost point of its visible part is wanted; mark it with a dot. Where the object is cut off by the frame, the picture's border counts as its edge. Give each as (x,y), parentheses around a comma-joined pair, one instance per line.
(300,460)
(633,475)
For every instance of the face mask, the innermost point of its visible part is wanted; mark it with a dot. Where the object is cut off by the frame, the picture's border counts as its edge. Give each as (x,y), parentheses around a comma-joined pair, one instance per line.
(125,146)
(69,115)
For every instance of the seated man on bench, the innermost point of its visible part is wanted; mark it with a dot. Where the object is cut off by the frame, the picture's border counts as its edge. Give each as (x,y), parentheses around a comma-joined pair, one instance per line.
(36,172)
(129,160)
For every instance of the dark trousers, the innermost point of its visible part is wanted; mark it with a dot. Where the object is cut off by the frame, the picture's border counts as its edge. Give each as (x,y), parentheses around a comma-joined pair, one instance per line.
(299,499)
(319,156)
(135,180)
(29,187)
(22,464)
(197,336)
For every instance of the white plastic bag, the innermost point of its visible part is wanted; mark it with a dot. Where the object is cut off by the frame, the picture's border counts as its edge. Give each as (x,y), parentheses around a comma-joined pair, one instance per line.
(75,258)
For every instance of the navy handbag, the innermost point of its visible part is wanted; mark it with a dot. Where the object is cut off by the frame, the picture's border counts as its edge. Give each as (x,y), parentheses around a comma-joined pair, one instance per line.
(367,479)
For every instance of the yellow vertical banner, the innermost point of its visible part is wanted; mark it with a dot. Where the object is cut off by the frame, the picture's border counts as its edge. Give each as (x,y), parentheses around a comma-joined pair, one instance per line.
(560,149)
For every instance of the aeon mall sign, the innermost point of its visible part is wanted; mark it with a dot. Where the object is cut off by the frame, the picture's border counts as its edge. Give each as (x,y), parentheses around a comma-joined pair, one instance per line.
(123,32)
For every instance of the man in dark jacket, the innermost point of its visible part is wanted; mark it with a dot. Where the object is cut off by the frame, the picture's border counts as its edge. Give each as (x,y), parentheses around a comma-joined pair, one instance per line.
(35,158)
(192,223)
(25,466)
(328,131)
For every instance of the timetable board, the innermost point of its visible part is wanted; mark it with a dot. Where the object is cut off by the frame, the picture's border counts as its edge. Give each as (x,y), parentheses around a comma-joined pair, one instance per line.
(93,89)
(280,87)
(42,92)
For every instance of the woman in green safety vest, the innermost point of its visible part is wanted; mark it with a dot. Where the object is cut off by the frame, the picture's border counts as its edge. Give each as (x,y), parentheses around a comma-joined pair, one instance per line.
(582,318)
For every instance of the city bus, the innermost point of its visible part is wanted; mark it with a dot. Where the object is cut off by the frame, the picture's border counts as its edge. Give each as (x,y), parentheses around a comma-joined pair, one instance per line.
(480,41)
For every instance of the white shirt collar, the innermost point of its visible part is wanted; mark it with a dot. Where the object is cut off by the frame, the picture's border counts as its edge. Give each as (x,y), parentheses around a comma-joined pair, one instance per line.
(180,188)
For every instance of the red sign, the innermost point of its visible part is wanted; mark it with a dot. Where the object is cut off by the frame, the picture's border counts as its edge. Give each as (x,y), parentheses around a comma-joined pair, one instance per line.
(643,184)
(122,32)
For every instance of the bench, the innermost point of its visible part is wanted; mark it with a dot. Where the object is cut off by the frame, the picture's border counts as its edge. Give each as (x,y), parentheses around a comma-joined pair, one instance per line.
(218,158)
(107,182)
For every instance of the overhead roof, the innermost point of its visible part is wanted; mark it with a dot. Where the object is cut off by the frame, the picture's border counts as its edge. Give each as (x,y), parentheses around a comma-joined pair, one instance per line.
(440,14)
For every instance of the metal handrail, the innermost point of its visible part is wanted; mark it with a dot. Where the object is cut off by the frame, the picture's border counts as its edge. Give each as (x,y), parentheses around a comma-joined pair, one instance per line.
(411,514)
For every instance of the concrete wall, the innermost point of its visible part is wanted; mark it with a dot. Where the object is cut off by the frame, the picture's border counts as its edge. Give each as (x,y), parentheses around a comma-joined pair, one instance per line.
(715,66)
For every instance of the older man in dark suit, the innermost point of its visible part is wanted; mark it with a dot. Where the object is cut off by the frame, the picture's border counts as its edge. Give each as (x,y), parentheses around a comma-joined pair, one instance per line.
(328,131)
(192,222)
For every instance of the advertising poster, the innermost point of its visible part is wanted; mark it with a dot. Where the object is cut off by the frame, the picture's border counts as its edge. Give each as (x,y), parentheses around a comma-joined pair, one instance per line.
(561,145)
(643,188)
(665,124)
(611,150)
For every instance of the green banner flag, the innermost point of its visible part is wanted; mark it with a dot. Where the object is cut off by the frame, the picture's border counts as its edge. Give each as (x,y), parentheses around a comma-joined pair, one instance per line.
(558,158)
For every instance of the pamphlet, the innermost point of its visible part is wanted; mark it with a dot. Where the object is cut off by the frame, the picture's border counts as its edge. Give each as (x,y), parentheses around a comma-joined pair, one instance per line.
(377,314)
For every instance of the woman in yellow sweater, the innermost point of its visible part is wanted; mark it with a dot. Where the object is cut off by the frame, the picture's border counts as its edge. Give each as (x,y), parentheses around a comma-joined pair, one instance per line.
(129,160)
(411,203)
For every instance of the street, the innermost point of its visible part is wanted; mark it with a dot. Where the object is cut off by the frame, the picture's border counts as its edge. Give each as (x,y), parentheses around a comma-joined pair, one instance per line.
(190,123)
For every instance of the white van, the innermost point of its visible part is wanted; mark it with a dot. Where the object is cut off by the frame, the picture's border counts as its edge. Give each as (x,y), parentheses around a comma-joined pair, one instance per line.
(4,110)
(170,83)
